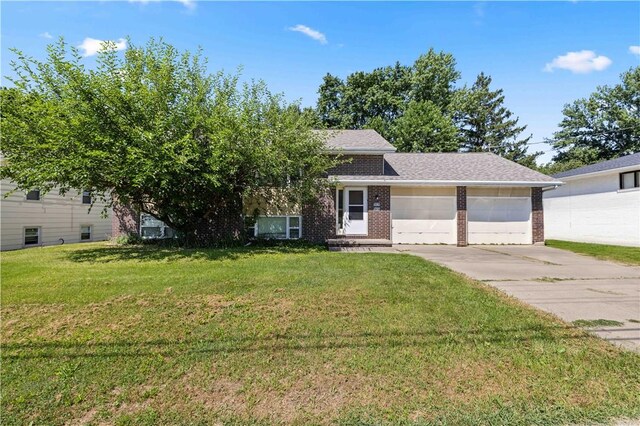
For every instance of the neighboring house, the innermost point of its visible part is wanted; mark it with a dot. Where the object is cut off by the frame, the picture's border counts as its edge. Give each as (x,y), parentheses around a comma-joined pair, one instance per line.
(599,203)
(34,219)
(382,197)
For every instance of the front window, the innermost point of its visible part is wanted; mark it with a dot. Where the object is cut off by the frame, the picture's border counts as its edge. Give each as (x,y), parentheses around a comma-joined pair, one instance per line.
(33,195)
(275,227)
(86,197)
(31,236)
(630,180)
(152,228)
(85,233)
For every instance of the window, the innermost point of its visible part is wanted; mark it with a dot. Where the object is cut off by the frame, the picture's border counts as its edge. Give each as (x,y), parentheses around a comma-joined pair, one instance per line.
(85,233)
(151,228)
(630,180)
(275,227)
(86,197)
(31,236)
(33,195)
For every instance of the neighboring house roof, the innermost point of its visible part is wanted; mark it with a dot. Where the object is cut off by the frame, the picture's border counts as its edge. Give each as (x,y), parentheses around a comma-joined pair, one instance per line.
(617,163)
(453,168)
(365,141)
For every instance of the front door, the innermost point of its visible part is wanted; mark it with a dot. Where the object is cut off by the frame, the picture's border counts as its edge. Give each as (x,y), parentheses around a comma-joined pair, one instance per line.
(355,215)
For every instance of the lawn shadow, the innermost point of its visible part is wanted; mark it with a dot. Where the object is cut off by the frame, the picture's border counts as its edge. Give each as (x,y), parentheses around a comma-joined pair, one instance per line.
(293,342)
(152,253)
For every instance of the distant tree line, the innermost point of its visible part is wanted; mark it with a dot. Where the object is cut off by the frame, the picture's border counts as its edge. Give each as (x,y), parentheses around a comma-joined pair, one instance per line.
(421,108)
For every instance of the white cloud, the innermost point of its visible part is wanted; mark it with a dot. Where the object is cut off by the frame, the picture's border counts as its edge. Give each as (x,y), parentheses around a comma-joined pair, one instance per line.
(581,62)
(91,46)
(189,4)
(634,49)
(310,32)
(46,35)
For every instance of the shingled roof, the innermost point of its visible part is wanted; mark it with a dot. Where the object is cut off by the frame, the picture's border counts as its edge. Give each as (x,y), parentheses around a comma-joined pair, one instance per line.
(616,163)
(365,140)
(454,168)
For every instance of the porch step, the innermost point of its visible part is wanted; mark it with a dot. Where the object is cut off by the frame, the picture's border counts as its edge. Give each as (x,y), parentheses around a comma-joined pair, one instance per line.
(337,244)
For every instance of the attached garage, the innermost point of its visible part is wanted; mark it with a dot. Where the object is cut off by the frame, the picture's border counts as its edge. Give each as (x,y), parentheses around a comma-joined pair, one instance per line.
(423,215)
(499,216)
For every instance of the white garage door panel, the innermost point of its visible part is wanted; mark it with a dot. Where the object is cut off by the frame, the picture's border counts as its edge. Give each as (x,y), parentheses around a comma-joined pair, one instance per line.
(499,220)
(423,220)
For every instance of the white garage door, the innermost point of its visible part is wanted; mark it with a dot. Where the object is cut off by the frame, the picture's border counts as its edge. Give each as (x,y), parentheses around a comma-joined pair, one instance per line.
(499,220)
(423,220)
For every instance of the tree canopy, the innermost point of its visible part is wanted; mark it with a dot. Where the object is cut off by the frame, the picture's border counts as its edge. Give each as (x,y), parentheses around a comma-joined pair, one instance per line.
(420,108)
(154,129)
(603,126)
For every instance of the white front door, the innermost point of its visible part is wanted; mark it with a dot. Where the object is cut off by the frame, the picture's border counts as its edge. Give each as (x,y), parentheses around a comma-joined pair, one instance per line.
(355,213)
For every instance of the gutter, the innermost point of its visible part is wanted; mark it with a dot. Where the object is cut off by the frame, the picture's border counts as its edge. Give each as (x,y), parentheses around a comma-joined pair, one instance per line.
(422,182)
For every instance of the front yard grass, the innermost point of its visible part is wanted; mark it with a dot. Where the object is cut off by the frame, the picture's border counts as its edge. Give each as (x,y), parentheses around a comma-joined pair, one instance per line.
(141,335)
(621,254)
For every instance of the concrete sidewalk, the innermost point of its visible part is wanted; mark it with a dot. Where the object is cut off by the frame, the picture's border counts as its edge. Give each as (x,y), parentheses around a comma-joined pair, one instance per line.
(569,285)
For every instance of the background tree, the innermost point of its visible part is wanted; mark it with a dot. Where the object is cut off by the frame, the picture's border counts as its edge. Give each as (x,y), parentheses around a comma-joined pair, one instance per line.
(424,128)
(486,125)
(603,126)
(416,107)
(154,129)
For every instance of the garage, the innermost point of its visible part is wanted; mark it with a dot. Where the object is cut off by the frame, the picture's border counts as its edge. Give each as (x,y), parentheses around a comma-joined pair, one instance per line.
(423,216)
(499,216)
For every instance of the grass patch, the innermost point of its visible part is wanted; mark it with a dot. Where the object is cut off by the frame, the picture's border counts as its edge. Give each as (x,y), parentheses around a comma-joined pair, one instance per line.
(621,254)
(287,335)
(597,323)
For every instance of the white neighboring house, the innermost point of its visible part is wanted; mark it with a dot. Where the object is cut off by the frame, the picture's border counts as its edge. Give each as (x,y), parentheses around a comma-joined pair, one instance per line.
(35,219)
(599,203)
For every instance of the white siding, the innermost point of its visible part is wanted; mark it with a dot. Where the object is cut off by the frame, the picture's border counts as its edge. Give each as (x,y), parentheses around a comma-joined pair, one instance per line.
(592,209)
(56,216)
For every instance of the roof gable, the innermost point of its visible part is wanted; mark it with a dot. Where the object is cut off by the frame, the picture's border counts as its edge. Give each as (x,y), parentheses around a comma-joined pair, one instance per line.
(364,140)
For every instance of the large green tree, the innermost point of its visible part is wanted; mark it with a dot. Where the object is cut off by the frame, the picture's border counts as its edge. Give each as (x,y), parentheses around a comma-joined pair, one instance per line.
(152,128)
(603,126)
(485,124)
(424,128)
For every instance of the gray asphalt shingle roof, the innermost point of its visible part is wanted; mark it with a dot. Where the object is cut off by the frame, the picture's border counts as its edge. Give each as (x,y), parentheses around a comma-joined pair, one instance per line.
(616,163)
(356,140)
(463,167)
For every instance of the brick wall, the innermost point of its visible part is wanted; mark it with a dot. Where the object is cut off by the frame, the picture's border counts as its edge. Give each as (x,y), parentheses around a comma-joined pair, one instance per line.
(360,165)
(319,218)
(537,215)
(461,201)
(125,220)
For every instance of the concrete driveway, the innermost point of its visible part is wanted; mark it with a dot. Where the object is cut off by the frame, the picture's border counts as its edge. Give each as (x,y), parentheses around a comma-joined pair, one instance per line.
(569,285)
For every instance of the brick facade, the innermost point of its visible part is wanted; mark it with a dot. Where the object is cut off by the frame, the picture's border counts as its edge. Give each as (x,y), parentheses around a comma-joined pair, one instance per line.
(537,216)
(360,165)
(319,218)
(461,203)
(124,221)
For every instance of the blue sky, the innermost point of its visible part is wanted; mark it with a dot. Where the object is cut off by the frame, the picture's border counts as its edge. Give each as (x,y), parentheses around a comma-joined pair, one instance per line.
(515,43)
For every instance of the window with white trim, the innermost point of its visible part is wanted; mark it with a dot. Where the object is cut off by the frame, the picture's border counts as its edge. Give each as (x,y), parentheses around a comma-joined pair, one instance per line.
(86,196)
(32,236)
(151,228)
(85,232)
(33,195)
(275,227)
(630,180)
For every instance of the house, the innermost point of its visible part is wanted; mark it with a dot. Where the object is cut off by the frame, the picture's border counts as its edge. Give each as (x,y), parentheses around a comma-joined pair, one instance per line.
(599,203)
(380,197)
(34,219)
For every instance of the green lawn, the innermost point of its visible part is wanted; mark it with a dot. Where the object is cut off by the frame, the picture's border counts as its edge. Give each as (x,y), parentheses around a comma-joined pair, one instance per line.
(140,335)
(622,254)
